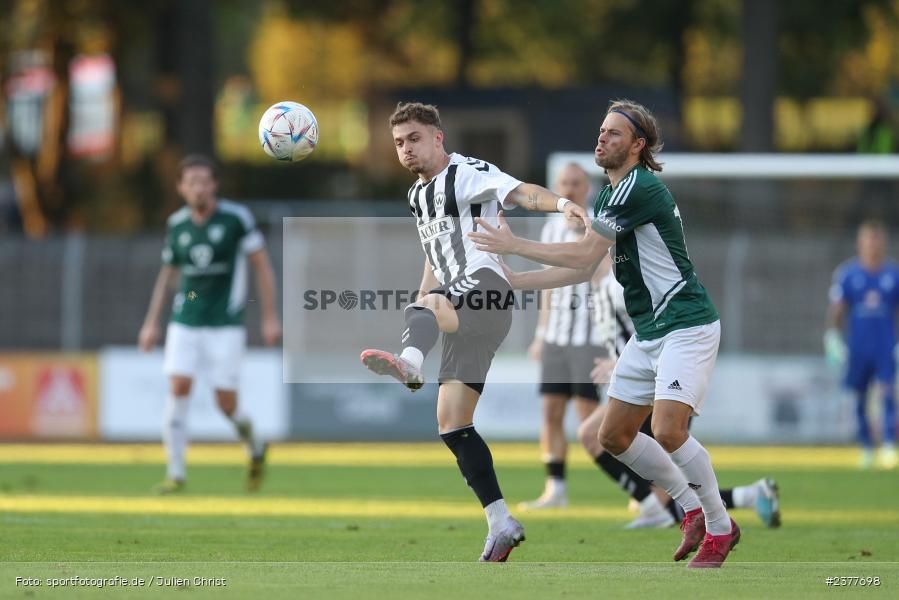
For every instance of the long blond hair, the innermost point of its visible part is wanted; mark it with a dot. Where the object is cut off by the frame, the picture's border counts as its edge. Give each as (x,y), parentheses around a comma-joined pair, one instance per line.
(644,125)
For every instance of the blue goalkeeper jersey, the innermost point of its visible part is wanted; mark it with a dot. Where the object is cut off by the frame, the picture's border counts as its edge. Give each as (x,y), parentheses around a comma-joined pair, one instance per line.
(871,298)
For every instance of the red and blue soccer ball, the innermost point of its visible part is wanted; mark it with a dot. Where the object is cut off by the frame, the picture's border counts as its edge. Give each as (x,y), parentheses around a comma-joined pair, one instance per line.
(288,131)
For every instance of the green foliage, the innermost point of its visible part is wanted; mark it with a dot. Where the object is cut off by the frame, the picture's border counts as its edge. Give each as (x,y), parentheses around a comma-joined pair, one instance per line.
(816,36)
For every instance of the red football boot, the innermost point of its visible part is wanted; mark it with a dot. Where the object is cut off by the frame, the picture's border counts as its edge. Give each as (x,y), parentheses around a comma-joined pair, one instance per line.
(693,527)
(385,363)
(715,548)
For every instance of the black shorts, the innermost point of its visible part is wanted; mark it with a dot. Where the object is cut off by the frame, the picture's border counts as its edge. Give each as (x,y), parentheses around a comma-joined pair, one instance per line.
(484,302)
(565,370)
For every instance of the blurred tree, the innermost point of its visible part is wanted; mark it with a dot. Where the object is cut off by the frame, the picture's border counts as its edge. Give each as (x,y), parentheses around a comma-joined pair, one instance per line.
(797,49)
(185,73)
(816,37)
(713,49)
(758,81)
(584,42)
(235,24)
(173,56)
(41,179)
(496,42)
(465,26)
(61,189)
(872,67)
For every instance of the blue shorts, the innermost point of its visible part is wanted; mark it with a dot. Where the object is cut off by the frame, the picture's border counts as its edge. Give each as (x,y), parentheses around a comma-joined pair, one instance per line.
(863,368)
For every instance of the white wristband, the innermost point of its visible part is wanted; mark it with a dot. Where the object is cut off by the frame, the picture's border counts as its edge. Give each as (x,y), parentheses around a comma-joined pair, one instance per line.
(560,205)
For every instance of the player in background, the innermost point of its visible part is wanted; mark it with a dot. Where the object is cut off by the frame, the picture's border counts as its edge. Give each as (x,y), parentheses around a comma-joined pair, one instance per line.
(463,294)
(656,508)
(208,244)
(665,368)
(565,344)
(864,298)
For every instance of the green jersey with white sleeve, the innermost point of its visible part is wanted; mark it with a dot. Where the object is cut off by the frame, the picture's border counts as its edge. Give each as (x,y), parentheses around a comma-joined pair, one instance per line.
(212,257)
(661,290)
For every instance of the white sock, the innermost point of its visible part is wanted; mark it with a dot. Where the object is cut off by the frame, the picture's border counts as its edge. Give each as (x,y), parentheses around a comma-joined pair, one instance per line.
(244,426)
(745,495)
(497,513)
(174,436)
(651,504)
(555,486)
(650,461)
(696,466)
(413,356)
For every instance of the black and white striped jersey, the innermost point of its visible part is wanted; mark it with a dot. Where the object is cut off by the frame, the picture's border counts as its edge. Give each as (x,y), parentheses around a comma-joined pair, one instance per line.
(445,209)
(571,321)
(612,322)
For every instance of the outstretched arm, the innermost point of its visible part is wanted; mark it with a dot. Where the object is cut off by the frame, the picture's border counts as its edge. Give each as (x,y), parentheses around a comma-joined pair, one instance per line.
(549,278)
(585,253)
(536,197)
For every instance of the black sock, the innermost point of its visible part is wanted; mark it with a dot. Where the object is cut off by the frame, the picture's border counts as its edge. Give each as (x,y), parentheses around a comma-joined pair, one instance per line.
(728,497)
(635,486)
(556,469)
(476,463)
(675,509)
(421,329)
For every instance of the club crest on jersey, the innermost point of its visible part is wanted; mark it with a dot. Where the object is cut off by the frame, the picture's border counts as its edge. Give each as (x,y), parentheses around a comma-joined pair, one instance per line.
(439,199)
(201,255)
(436,228)
(216,233)
(184,238)
(872,299)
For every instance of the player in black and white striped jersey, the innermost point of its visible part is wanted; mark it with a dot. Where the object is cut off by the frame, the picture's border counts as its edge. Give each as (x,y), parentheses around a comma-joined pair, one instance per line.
(463,293)
(565,344)
(445,209)
(612,324)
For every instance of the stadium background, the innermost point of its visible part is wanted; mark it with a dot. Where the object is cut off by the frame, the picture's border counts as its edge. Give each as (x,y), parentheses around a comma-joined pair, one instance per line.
(99,101)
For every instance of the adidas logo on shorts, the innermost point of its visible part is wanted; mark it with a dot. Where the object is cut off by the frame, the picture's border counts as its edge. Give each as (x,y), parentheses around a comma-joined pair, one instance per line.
(675,385)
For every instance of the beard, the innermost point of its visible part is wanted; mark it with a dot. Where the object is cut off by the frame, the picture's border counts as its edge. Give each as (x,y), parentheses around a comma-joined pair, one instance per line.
(201,204)
(415,166)
(612,161)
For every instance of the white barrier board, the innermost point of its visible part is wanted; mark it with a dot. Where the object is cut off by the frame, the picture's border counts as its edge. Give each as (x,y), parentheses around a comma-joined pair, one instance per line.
(133,391)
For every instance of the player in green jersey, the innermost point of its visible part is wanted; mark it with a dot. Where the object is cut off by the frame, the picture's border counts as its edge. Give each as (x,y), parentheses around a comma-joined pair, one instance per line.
(666,365)
(208,243)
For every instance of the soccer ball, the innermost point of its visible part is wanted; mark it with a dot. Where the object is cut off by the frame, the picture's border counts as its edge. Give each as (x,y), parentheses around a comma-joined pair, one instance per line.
(288,131)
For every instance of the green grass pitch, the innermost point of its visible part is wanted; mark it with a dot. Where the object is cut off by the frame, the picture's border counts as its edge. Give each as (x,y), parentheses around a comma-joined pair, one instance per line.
(397,521)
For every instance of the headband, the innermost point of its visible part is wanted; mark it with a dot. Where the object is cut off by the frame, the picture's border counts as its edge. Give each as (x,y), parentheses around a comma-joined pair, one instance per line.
(633,122)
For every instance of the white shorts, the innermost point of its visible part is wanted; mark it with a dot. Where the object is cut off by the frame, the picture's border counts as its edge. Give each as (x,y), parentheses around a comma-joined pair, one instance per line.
(677,366)
(217,350)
